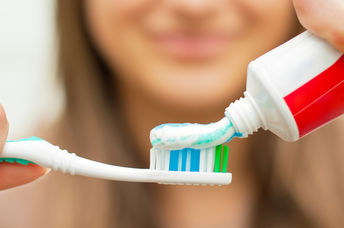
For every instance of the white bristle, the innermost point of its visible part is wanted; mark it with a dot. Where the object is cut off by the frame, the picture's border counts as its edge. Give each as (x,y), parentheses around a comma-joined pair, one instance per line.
(167,160)
(211,159)
(180,161)
(162,160)
(158,160)
(203,160)
(152,158)
(188,160)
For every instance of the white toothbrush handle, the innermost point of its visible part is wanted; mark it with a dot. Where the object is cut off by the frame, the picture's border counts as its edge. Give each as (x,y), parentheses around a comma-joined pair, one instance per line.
(41,153)
(45,154)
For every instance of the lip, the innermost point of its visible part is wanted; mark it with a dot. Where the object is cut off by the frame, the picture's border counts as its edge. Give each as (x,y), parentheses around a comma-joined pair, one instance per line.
(192,46)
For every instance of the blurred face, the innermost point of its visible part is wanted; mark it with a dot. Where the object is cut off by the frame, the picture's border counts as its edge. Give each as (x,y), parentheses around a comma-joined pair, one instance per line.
(186,53)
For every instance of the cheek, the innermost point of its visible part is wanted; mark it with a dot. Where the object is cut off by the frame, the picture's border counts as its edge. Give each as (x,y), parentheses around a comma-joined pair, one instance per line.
(115,30)
(270,15)
(113,25)
(269,23)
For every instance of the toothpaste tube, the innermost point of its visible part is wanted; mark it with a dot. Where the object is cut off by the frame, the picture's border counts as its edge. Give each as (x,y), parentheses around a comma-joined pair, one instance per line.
(291,90)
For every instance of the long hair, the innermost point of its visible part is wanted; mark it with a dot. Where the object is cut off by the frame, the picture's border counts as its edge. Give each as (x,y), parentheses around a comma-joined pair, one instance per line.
(296,188)
(93,115)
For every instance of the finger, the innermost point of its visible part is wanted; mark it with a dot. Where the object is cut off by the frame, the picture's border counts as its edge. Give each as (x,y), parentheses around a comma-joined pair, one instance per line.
(323,18)
(14,174)
(3,127)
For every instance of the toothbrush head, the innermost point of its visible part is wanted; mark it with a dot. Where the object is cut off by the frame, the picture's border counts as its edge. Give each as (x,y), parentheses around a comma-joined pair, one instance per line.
(192,166)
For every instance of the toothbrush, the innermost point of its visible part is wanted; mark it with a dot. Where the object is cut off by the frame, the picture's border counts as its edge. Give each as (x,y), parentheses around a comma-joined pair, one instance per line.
(184,166)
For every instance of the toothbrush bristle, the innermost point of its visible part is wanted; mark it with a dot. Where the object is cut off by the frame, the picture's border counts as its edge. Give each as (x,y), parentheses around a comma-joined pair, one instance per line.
(213,159)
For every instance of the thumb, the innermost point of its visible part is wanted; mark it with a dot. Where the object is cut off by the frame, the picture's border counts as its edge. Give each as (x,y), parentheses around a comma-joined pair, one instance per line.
(323,18)
(14,174)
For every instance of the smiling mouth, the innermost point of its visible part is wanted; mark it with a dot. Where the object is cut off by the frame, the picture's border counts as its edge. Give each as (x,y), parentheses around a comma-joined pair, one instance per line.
(192,46)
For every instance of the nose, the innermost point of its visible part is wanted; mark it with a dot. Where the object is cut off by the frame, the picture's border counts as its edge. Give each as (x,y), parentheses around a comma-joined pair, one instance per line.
(193,8)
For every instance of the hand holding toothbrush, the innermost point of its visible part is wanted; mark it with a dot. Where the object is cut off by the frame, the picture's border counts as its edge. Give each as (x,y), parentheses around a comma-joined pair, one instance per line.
(14,174)
(323,18)
(22,161)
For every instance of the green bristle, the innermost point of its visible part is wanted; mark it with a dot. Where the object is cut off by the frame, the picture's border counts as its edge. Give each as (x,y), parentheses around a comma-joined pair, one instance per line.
(218,152)
(225,158)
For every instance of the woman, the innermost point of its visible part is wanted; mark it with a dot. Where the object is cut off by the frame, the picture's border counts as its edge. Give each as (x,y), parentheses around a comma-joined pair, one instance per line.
(130,66)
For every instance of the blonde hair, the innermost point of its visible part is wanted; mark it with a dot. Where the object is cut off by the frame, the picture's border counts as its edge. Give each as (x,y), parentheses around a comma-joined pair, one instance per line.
(297,183)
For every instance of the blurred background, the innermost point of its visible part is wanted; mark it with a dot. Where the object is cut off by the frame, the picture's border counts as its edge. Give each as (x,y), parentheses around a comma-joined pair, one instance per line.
(276,184)
(28,88)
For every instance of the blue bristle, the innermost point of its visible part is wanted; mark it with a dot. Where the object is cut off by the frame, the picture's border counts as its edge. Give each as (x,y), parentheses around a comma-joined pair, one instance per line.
(186,159)
(192,154)
(174,160)
(195,159)
(184,155)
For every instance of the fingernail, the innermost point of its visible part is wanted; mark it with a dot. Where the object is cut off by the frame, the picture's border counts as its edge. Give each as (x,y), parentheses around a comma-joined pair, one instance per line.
(47,170)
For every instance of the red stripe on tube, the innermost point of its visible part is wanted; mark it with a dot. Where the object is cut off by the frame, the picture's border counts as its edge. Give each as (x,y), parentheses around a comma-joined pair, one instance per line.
(319,100)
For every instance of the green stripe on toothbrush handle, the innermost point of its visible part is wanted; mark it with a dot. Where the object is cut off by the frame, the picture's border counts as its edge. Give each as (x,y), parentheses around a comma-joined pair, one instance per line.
(225,158)
(17,160)
(218,151)
(32,138)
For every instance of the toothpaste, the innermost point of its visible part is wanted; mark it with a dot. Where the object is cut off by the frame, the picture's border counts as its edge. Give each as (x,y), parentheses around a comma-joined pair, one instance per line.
(178,136)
